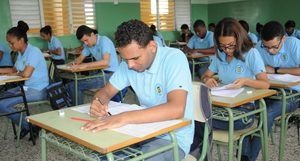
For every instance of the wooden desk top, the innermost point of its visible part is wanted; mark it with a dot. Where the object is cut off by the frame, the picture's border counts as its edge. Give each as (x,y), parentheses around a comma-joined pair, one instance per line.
(15,79)
(280,84)
(242,98)
(104,141)
(197,55)
(67,68)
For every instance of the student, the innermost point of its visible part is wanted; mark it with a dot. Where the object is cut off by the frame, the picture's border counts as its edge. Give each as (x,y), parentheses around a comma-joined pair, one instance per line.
(186,33)
(157,36)
(103,50)
(5,58)
(162,82)
(238,63)
(30,63)
(54,45)
(258,30)
(281,55)
(290,29)
(251,35)
(211,27)
(201,42)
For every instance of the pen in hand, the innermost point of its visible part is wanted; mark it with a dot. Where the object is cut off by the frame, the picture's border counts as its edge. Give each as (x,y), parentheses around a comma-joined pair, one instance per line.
(98,99)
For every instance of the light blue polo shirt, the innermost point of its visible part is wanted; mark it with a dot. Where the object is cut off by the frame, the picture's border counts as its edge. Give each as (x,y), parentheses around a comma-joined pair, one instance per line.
(287,57)
(33,57)
(253,37)
(6,58)
(197,43)
(229,72)
(296,34)
(161,37)
(158,41)
(103,46)
(169,71)
(55,44)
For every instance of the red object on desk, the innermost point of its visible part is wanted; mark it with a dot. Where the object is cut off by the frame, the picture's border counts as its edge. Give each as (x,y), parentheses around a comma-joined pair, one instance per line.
(80,119)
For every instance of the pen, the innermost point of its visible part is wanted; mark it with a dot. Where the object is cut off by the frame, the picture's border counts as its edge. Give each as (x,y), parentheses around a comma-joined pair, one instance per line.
(80,119)
(109,114)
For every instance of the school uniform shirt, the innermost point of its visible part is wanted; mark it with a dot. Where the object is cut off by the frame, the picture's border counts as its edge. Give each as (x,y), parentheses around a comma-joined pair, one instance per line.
(287,57)
(295,34)
(253,37)
(158,41)
(161,37)
(103,46)
(197,43)
(55,44)
(33,57)
(228,72)
(6,58)
(169,71)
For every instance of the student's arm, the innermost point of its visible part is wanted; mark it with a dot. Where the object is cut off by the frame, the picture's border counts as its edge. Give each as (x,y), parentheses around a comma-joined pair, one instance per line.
(7,70)
(209,51)
(209,80)
(103,62)
(261,82)
(27,72)
(78,60)
(176,102)
(293,71)
(56,52)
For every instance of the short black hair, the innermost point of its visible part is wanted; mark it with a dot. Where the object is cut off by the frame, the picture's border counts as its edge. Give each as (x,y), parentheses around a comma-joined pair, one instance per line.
(198,23)
(212,25)
(133,30)
(290,23)
(84,30)
(271,30)
(259,27)
(20,31)
(245,25)
(184,27)
(46,30)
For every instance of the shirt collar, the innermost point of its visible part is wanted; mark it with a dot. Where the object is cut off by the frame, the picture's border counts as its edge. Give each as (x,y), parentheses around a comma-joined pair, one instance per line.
(155,64)
(282,50)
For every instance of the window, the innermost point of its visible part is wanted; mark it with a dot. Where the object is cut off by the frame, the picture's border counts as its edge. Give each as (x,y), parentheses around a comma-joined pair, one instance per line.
(182,13)
(28,11)
(158,12)
(64,16)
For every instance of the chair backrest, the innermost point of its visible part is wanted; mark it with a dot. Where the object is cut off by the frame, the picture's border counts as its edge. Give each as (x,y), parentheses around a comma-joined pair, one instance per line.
(58,96)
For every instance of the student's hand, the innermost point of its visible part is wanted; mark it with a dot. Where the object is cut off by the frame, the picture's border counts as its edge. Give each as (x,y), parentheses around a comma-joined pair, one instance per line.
(108,122)
(238,83)
(98,110)
(211,83)
(270,69)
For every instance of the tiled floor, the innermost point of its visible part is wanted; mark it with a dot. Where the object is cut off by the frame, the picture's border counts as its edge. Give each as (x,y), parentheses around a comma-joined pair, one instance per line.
(28,152)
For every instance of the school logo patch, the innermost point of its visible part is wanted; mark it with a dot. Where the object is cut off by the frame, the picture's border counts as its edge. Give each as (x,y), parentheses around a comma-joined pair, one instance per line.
(158,89)
(284,57)
(239,69)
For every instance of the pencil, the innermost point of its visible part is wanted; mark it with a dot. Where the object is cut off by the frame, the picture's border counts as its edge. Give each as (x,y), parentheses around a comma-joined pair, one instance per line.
(80,119)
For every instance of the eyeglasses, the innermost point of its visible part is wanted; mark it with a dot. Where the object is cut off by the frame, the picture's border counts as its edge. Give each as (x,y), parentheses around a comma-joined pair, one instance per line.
(227,47)
(275,47)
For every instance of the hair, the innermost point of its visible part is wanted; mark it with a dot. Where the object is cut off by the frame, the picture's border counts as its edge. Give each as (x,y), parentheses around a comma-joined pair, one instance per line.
(259,27)
(184,27)
(84,30)
(245,25)
(290,23)
(231,27)
(133,30)
(199,23)
(20,31)
(271,30)
(46,30)
(212,25)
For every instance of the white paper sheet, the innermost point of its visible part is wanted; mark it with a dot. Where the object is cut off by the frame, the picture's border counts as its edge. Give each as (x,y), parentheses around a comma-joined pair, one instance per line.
(8,77)
(227,92)
(135,130)
(63,66)
(228,86)
(284,77)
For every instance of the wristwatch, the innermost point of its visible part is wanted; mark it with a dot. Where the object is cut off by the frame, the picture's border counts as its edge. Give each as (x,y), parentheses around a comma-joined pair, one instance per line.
(276,70)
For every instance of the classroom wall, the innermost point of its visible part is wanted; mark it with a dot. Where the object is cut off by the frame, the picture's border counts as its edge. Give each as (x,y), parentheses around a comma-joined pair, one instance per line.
(254,11)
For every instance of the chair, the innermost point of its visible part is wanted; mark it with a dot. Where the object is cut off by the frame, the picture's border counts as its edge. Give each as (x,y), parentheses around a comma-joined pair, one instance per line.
(203,114)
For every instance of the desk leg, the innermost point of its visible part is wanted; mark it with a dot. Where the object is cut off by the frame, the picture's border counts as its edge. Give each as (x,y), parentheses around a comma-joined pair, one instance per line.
(43,144)
(193,72)
(230,134)
(76,88)
(110,157)
(265,144)
(283,128)
(175,146)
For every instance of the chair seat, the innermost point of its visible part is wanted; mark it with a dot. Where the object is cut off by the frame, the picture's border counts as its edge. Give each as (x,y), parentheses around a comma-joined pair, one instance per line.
(296,112)
(222,135)
(21,105)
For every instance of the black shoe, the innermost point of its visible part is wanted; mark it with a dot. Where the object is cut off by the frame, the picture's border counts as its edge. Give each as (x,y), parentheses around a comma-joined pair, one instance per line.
(23,133)
(244,158)
(35,132)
